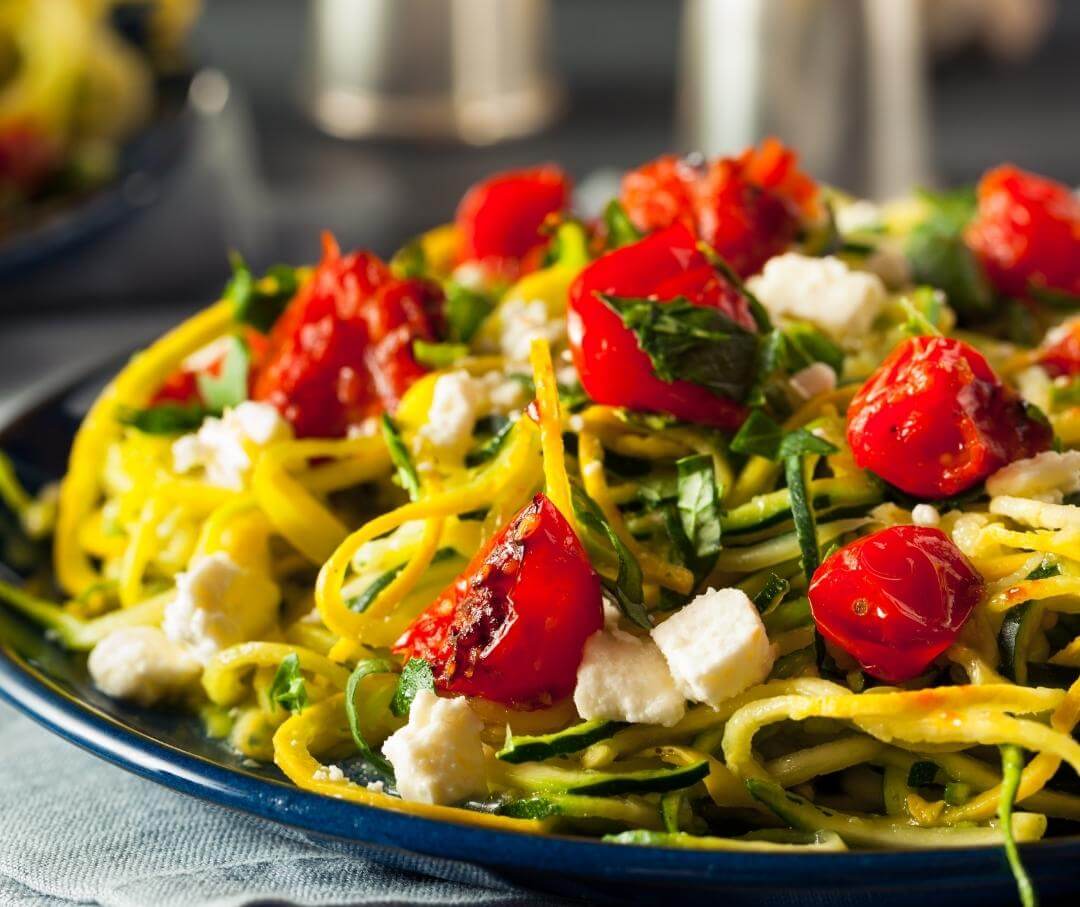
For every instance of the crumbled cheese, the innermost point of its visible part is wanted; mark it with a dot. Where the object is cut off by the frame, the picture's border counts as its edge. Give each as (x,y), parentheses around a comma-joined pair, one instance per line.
(225,447)
(328,773)
(142,665)
(366,429)
(612,613)
(625,678)
(815,379)
(504,395)
(455,403)
(470,275)
(858,216)
(925,515)
(824,291)
(217,605)
(376,787)
(1049,471)
(205,358)
(522,322)
(438,756)
(716,646)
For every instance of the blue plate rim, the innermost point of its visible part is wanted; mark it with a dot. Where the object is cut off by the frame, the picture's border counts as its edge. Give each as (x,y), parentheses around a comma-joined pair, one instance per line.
(38,697)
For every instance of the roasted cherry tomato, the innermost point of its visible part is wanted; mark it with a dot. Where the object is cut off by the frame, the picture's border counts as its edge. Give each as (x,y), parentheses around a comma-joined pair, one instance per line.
(27,157)
(342,350)
(748,208)
(934,419)
(613,368)
(1027,232)
(500,218)
(513,626)
(1059,353)
(895,600)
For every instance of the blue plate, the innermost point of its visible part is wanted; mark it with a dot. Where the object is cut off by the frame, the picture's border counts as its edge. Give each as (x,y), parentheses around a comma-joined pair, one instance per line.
(52,687)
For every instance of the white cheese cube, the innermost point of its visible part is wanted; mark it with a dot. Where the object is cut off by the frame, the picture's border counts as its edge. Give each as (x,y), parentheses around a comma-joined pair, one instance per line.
(225,448)
(716,646)
(823,291)
(438,756)
(217,605)
(624,678)
(925,515)
(142,665)
(1041,474)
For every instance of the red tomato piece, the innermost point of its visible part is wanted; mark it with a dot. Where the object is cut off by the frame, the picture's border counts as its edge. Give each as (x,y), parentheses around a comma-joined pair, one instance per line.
(1060,350)
(27,157)
(513,626)
(613,368)
(748,208)
(500,219)
(342,350)
(1027,232)
(934,419)
(180,387)
(895,600)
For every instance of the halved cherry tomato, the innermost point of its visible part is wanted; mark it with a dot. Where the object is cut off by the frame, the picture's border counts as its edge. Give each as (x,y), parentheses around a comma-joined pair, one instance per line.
(934,419)
(1027,232)
(500,218)
(748,208)
(342,350)
(613,368)
(182,386)
(1059,353)
(895,600)
(513,626)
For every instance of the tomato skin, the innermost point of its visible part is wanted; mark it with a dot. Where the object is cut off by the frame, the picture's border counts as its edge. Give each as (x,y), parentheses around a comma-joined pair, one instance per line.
(499,219)
(27,156)
(895,600)
(180,387)
(612,367)
(342,350)
(748,208)
(934,419)
(1059,353)
(513,626)
(1026,232)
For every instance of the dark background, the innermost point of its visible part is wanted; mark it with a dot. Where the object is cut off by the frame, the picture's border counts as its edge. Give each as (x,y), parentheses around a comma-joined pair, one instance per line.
(260,177)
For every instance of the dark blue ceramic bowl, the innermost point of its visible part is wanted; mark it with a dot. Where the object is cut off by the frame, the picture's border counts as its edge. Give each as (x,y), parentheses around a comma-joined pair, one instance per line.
(52,687)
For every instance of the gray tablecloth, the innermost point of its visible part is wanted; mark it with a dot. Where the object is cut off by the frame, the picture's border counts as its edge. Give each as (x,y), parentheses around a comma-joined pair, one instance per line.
(75,830)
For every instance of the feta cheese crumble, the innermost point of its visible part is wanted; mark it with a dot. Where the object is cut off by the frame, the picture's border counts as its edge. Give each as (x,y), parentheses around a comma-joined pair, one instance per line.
(925,515)
(625,678)
(1047,473)
(716,646)
(438,756)
(142,665)
(225,448)
(455,404)
(217,605)
(522,322)
(328,773)
(824,291)
(815,379)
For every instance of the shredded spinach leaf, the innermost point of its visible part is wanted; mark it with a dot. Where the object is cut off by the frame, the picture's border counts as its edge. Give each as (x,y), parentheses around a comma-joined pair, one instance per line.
(288,689)
(627,587)
(399,456)
(415,676)
(230,386)
(686,342)
(362,670)
(260,302)
(164,419)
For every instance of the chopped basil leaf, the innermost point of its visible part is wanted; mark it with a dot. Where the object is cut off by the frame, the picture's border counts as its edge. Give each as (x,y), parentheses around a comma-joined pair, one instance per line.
(627,587)
(1058,299)
(287,688)
(802,442)
(409,261)
(686,342)
(230,386)
(619,229)
(438,355)
(807,345)
(260,302)
(163,419)
(655,490)
(761,315)
(759,436)
(939,256)
(1012,767)
(491,446)
(465,310)
(415,676)
(362,670)
(699,508)
(399,456)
